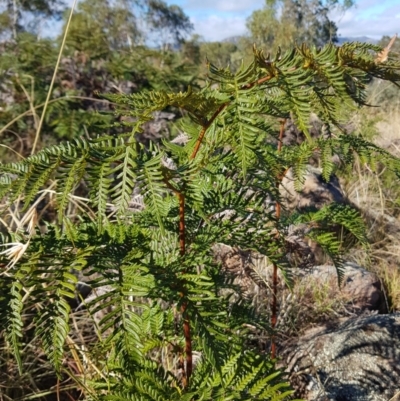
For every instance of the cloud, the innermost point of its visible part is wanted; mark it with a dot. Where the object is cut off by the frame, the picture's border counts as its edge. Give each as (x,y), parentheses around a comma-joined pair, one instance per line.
(370,19)
(223,5)
(216,20)
(217,28)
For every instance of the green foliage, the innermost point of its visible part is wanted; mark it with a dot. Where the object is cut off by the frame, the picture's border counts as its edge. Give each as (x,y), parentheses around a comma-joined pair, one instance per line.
(103,53)
(171,323)
(74,110)
(222,54)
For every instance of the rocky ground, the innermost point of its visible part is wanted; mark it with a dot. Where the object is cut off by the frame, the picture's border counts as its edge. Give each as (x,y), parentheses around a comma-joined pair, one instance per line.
(337,343)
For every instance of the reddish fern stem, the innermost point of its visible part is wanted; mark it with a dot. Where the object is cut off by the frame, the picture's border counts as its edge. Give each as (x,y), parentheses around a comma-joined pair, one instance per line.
(186,322)
(274,302)
(186,373)
(188,345)
(258,82)
(182,244)
(206,126)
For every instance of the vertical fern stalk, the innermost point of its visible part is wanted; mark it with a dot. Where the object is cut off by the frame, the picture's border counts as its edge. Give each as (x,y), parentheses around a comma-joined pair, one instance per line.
(182,244)
(187,372)
(274,301)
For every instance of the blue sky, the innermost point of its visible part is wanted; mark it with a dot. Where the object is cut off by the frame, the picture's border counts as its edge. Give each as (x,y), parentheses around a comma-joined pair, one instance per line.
(219,19)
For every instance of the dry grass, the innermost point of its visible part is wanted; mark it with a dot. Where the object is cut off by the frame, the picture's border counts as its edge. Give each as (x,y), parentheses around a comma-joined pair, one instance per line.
(38,380)
(312,303)
(377,194)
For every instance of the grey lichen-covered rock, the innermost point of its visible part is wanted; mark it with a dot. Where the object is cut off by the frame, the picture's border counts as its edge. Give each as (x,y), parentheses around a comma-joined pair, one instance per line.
(359,360)
(361,288)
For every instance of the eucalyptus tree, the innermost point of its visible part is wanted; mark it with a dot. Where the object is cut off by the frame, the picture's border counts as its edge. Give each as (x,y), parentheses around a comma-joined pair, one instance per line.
(27,15)
(286,22)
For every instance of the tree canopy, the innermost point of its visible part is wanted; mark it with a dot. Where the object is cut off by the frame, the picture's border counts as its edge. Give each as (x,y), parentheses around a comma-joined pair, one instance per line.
(287,22)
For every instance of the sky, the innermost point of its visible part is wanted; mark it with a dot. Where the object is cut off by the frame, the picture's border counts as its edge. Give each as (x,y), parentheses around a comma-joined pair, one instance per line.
(220,19)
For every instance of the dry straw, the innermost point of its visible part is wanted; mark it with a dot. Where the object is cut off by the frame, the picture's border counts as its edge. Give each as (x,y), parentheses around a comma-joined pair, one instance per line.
(53,78)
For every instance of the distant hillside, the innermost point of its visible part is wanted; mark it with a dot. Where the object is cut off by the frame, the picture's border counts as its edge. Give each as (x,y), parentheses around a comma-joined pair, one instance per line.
(232,39)
(341,39)
(366,39)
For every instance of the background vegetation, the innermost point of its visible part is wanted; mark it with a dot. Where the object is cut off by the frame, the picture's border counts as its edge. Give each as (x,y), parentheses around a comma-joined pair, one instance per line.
(107,50)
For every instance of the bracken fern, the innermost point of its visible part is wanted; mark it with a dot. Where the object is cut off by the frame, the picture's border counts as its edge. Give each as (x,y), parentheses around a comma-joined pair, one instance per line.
(173,326)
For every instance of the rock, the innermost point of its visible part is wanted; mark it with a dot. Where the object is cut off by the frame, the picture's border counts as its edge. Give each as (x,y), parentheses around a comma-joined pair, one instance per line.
(238,264)
(315,192)
(315,297)
(294,136)
(157,128)
(361,288)
(359,360)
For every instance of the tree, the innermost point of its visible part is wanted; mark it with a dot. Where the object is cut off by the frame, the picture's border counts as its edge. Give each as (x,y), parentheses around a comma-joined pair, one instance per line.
(174,325)
(106,25)
(170,22)
(293,21)
(101,26)
(223,54)
(190,49)
(15,14)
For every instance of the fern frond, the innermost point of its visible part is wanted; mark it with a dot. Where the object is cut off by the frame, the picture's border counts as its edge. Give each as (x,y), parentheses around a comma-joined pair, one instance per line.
(69,175)
(154,189)
(326,159)
(53,328)
(13,319)
(125,172)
